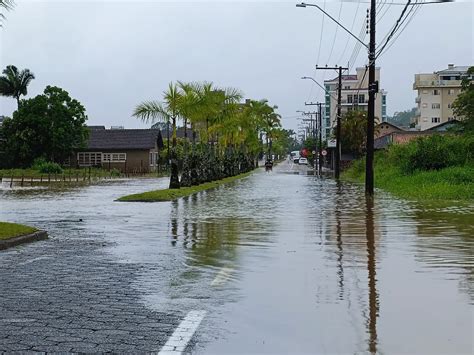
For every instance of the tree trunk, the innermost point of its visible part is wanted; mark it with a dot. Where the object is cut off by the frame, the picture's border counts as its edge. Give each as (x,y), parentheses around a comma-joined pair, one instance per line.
(174,178)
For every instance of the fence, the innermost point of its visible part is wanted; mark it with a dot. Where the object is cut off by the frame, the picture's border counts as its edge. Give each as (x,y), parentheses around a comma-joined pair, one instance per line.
(70,177)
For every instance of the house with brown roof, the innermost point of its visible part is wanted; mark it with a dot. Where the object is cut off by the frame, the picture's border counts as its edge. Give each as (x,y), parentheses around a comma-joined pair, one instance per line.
(127,150)
(397,135)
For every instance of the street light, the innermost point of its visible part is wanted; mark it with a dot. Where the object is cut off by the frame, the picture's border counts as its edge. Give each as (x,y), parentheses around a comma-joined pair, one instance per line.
(322,87)
(373,84)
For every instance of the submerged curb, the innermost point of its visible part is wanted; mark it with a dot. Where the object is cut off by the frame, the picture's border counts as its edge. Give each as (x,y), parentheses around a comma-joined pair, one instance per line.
(27,238)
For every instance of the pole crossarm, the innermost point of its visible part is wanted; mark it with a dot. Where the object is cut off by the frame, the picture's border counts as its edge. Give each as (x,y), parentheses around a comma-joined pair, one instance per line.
(336,21)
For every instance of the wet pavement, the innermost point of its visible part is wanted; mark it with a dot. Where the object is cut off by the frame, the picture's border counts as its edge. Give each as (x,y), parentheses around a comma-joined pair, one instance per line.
(273,263)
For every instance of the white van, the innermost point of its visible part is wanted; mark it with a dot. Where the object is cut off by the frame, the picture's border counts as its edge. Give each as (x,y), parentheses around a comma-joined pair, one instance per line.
(295,156)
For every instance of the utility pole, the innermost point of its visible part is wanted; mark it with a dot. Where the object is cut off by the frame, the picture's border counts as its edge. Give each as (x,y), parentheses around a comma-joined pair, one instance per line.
(340,69)
(373,89)
(320,137)
(318,123)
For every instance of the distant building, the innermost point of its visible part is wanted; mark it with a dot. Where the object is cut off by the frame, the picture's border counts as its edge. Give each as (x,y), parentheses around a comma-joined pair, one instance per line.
(386,133)
(128,150)
(436,94)
(354,96)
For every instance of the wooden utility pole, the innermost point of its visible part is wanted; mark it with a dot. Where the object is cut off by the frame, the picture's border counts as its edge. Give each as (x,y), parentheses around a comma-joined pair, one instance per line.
(337,168)
(373,89)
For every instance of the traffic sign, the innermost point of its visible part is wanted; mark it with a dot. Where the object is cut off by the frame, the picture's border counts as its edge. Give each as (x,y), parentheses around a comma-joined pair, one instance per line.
(324,152)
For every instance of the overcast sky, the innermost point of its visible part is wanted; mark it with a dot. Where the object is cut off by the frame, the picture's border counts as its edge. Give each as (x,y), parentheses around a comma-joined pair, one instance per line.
(111,55)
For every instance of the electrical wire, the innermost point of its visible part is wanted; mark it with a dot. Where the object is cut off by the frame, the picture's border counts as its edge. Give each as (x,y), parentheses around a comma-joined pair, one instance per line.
(335,33)
(395,27)
(348,36)
(418,7)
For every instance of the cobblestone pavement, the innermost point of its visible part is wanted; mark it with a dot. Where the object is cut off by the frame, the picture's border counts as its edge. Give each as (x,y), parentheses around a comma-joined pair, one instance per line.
(67,295)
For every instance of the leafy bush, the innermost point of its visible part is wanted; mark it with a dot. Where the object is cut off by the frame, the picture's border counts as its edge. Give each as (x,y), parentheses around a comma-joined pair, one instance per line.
(46,167)
(432,153)
(115,172)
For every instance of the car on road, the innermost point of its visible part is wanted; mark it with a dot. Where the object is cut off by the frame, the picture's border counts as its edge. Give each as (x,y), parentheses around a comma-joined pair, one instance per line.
(303,161)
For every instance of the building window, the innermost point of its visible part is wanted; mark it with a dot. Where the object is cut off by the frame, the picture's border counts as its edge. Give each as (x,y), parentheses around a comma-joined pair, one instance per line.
(435,92)
(450,118)
(425,91)
(435,106)
(347,87)
(153,158)
(114,157)
(435,120)
(450,106)
(362,99)
(424,105)
(349,99)
(384,100)
(89,158)
(450,91)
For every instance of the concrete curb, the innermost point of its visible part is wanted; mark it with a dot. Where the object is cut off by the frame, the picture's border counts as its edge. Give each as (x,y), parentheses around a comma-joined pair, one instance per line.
(8,243)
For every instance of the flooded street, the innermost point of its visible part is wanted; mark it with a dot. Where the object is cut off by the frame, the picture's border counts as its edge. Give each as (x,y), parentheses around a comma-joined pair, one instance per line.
(274,263)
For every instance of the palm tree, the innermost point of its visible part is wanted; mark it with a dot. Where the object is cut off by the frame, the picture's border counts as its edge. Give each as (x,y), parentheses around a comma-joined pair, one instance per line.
(168,110)
(14,83)
(7,5)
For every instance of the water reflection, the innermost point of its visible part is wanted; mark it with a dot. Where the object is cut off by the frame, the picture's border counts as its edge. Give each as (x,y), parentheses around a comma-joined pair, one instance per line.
(371,268)
(340,252)
(356,225)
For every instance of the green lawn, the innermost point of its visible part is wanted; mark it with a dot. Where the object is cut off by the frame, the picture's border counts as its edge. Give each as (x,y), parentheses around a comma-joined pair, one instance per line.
(173,194)
(452,183)
(11,230)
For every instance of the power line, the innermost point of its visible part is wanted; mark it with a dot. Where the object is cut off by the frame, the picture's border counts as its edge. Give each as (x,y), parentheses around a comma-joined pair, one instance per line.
(348,36)
(335,34)
(394,29)
(418,7)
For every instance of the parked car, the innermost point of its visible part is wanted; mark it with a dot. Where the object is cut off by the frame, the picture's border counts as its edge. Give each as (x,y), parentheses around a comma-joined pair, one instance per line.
(303,161)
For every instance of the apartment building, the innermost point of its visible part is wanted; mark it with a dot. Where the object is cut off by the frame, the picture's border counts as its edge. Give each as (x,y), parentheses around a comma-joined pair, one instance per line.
(436,94)
(354,96)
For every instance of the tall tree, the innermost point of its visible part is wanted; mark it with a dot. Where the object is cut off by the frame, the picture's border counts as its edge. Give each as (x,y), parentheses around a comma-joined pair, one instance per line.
(50,126)
(464,104)
(14,83)
(167,111)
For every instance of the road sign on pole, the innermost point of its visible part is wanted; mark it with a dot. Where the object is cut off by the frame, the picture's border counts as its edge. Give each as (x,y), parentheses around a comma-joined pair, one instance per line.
(324,152)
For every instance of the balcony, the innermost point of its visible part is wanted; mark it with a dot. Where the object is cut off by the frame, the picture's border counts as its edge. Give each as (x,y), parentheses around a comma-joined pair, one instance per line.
(344,102)
(436,83)
(418,100)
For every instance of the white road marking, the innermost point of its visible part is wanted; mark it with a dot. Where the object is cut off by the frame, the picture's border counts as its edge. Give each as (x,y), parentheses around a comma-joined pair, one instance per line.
(222,276)
(183,334)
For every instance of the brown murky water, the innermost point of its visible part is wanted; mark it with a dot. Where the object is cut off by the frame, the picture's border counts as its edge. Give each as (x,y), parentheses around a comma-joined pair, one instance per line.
(284,263)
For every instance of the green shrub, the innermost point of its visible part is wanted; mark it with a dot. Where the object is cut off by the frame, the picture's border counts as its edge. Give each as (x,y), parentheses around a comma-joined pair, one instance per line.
(432,153)
(46,167)
(115,172)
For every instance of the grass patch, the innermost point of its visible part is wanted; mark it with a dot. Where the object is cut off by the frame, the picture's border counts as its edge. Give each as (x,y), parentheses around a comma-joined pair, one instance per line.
(450,183)
(11,230)
(173,194)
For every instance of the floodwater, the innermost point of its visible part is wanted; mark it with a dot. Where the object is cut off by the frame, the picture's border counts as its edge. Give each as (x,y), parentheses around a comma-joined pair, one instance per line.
(283,263)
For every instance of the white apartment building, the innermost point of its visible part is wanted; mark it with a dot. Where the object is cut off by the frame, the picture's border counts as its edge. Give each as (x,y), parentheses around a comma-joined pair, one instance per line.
(354,96)
(436,94)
